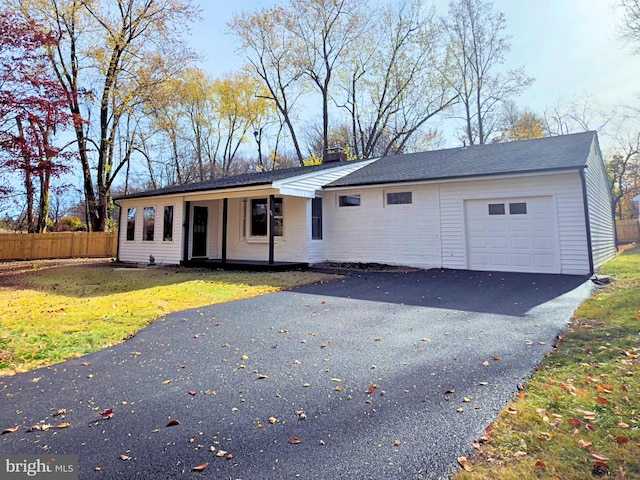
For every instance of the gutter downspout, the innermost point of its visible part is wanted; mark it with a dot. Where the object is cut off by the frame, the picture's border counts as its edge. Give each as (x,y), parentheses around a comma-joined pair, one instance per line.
(585,203)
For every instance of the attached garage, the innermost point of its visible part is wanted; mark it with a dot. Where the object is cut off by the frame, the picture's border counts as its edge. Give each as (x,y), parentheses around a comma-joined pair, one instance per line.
(512,234)
(538,206)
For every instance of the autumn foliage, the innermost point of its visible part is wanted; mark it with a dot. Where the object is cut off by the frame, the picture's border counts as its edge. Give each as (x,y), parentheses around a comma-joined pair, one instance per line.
(33,108)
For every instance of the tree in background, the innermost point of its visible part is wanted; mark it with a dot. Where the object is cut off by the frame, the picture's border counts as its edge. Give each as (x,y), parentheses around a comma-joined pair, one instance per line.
(109,57)
(477,51)
(392,82)
(33,108)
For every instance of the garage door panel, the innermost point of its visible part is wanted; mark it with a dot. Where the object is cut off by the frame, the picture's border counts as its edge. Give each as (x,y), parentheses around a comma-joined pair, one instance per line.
(521,238)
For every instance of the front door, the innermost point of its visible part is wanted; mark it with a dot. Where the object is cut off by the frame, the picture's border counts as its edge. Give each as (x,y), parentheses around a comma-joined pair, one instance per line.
(199,246)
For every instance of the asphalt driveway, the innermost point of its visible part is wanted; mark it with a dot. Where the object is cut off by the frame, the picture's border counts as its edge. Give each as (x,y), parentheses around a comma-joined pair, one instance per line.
(250,377)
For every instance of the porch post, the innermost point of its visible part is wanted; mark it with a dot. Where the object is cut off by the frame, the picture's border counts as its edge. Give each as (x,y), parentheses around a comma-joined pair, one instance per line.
(185,236)
(272,227)
(225,212)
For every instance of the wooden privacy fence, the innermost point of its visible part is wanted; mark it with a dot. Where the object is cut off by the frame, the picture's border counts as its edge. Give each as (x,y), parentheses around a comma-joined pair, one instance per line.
(628,230)
(40,246)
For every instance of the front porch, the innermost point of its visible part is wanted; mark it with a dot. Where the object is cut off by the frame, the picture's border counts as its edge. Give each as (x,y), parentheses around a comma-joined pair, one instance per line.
(245,265)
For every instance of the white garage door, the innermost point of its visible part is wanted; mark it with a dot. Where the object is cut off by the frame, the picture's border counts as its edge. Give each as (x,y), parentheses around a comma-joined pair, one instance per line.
(512,235)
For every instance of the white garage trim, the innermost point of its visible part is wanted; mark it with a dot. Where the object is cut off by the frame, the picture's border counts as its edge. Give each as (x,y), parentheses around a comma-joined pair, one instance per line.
(512,234)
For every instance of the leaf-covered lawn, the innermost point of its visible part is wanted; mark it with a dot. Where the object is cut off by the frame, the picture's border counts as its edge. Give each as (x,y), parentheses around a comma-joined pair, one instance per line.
(48,315)
(579,416)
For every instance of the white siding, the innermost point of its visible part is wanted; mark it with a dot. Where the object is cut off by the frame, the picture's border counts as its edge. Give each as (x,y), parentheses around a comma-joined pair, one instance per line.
(318,250)
(600,209)
(373,232)
(138,250)
(566,191)
(291,247)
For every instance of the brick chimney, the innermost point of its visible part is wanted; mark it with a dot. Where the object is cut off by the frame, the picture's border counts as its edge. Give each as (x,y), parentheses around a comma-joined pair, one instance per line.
(335,154)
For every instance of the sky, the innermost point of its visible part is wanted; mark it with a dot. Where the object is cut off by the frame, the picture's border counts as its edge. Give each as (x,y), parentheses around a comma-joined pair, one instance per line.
(570,47)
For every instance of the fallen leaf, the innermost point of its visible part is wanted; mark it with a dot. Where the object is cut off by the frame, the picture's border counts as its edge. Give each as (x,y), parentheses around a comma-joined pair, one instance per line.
(85,364)
(460,410)
(125,457)
(11,429)
(475,444)
(602,401)
(137,354)
(512,411)
(466,399)
(371,389)
(262,376)
(590,427)
(449,390)
(173,422)
(63,425)
(520,454)
(221,453)
(574,422)
(294,441)
(201,467)
(166,382)
(582,443)
(302,415)
(108,413)
(483,383)
(377,339)
(623,425)
(496,358)
(487,433)
(192,392)
(622,439)
(397,443)
(273,420)
(485,363)
(464,463)
(539,464)
(598,456)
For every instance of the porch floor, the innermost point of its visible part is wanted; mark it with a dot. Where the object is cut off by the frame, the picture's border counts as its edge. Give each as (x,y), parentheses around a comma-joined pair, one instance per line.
(245,265)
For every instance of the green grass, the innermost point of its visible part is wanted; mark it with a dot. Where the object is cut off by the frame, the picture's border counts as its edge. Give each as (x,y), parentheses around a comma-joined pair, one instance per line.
(594,369)
(48,315)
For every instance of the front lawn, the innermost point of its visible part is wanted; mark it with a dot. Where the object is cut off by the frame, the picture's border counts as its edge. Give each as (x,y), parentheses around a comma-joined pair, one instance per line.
(579,416)
(48,315)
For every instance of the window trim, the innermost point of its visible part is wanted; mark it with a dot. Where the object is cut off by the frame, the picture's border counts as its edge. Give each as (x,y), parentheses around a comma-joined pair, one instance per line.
(342,200)
(168,238)
(248,216)
(399,192)
(500,211)
(316,220)
(145,224)
(131,224)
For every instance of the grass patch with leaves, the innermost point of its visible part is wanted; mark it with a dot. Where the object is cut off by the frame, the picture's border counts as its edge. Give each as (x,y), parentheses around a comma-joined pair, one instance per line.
(48,315)
(579,416)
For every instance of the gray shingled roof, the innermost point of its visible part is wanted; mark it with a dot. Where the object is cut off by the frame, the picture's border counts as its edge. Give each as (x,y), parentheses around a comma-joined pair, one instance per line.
(242,180)
(544,154)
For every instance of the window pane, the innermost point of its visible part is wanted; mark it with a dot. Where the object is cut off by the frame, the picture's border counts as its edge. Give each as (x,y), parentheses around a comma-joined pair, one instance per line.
(167,234)
(496,209)
(398,198)
(131,224)
(148,224)
(278,214)
(349,201)
(518,208)
(316,218)
(259,217)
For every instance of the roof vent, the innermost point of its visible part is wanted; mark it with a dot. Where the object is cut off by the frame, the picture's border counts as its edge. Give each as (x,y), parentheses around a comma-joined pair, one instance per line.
(335,154)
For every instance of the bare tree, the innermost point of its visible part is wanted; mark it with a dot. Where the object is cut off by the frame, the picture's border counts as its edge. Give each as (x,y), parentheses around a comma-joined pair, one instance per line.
(477,50)
(393,83)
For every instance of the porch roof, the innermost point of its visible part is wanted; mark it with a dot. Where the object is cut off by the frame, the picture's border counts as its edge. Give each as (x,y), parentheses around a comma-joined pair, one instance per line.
(296,181)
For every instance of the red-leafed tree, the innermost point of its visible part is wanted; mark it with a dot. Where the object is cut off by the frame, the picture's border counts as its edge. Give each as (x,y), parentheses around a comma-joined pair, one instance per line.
(33,108)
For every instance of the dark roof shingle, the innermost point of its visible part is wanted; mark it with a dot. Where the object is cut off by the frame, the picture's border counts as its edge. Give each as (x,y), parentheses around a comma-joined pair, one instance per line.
(550,153)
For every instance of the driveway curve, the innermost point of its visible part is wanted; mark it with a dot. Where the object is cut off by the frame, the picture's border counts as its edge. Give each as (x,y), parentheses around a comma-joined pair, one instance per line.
(366,377)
